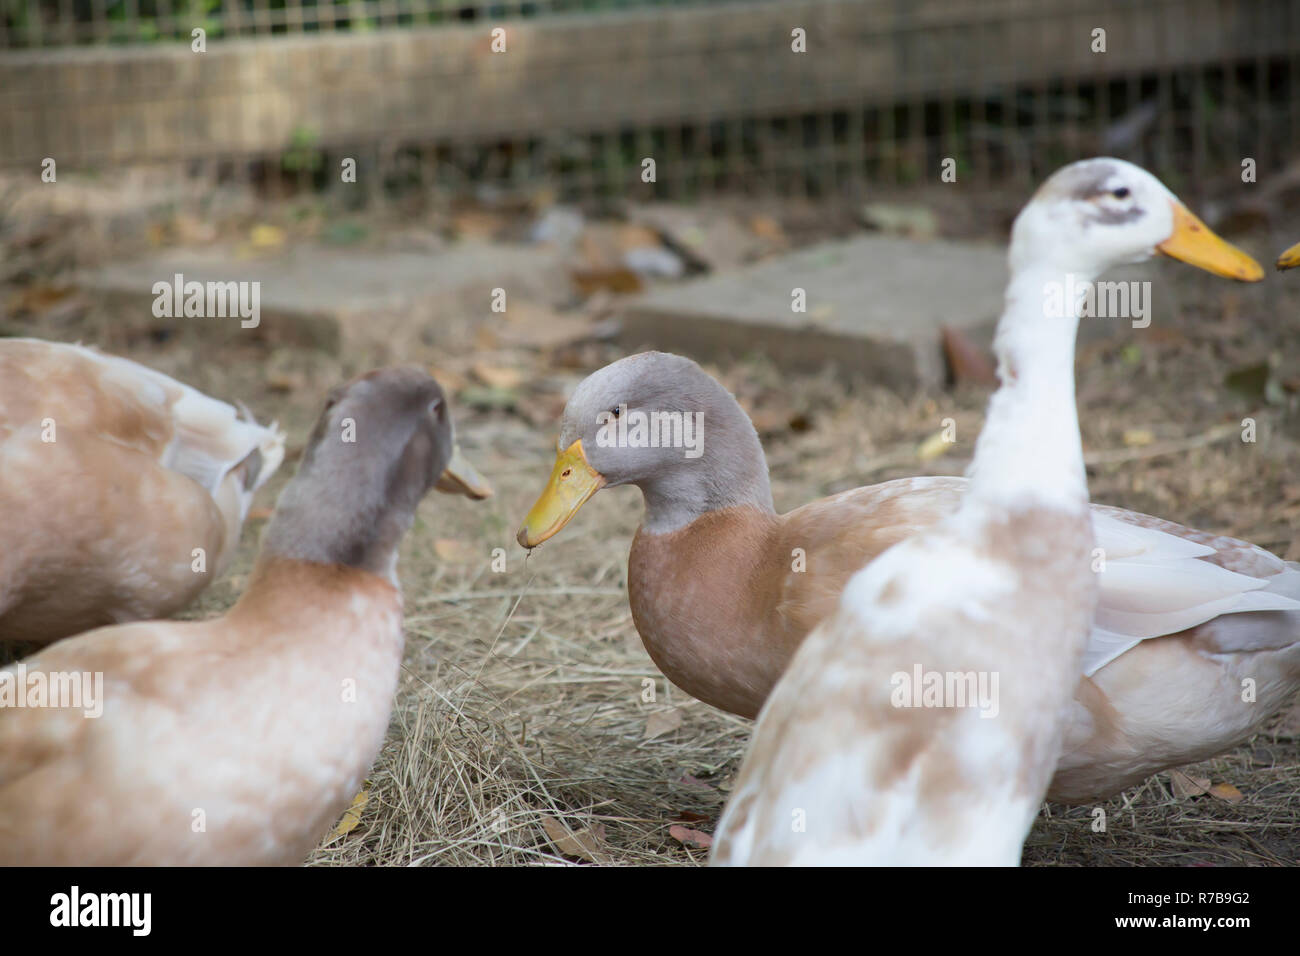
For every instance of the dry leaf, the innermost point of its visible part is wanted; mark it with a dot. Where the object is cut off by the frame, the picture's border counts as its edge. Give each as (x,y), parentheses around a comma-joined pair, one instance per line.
(450,380)
(637,237)
(1226,791)
(352,815)
(689,837)
(1185,785)
(765,227)
(1138,437)
(616,279)
(549,332)
(662,722)
(477,224)
(39,297)
(586,844)
(498,377)
(264,236)
(453,551)
(934,446)
(967,362)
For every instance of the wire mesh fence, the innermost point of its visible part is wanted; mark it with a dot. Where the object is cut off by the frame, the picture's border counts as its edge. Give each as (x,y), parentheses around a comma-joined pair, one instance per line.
(803,96)
(37,23)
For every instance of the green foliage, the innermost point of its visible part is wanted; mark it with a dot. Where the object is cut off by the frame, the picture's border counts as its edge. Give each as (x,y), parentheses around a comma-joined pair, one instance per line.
(302,154)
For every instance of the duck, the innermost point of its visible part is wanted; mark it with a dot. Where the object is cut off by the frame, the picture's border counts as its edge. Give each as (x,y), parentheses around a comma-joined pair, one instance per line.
(921,722)
(723,589)
(240,739)
(123,492)
(1289,259)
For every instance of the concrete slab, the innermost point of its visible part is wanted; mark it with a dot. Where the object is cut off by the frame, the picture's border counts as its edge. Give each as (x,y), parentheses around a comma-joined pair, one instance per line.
(875,307)
(336,298)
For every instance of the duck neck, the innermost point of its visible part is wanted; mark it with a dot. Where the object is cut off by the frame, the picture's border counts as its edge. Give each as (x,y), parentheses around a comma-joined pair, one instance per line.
(730,471)
(1029,453)
(312,524)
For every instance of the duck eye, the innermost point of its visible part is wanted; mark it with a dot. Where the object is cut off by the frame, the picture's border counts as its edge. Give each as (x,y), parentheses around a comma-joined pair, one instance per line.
(1121,193)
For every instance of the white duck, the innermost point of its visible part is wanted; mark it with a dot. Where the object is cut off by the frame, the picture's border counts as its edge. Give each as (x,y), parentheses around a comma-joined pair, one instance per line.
(852,761)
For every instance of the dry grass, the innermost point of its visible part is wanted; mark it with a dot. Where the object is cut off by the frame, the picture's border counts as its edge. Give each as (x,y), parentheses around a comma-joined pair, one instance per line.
(522,698)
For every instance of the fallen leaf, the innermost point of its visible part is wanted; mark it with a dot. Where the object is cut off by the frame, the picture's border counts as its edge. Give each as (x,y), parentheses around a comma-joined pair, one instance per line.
(285,381)
(689,837)
(191,229)
(450,380)
(544,329)
(38,297)
(934,446)
(1226,791)
(967,362)
(1186,786)
(264,236)
(635,236)
(617,279)
(352,815)
(765,227)
(477,224)
(497,376)
(1138,437)
(586,844)
(453,551)
(661,722)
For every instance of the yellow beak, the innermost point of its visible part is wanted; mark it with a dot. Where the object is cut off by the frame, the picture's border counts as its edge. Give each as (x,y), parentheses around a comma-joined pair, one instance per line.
(1289,259)
(462,478)
(1194,243)
(572,482)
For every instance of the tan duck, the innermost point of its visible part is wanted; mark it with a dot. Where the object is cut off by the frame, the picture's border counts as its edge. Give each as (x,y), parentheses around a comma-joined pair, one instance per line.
(721,608)
(122,491)
(239,740)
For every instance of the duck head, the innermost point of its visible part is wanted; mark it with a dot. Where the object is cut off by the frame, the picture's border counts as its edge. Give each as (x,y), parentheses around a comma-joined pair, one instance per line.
(660,422)
(1100,213)
(382,442)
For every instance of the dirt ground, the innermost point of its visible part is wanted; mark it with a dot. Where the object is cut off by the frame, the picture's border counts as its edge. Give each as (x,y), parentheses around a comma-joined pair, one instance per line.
(520,734)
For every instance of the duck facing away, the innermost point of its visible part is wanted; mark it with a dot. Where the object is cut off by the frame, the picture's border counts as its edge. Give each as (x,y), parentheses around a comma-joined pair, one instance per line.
(122,491)
(721,608)
(850,762)
(239,740)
